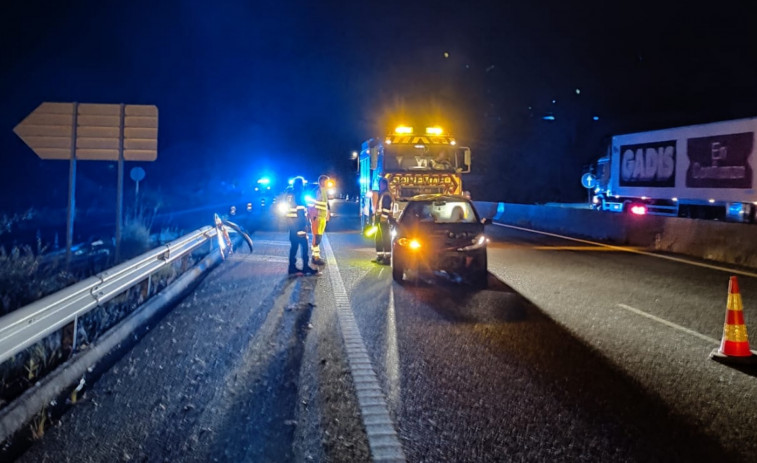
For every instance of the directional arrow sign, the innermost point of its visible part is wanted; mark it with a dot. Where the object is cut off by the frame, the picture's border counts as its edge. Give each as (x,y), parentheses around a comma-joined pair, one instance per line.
(100,130)
(94,132)
(588,180)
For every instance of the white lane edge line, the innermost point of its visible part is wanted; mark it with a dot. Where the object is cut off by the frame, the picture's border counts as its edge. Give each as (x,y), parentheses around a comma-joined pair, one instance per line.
(241,256)
(392,361)
(272,242)
(634,251)
(670,324)
(382,435)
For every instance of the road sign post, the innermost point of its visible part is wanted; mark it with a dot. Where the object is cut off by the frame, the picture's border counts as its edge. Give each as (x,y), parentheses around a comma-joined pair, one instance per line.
(91,132)
(71,206)
(589,181)
(120,182)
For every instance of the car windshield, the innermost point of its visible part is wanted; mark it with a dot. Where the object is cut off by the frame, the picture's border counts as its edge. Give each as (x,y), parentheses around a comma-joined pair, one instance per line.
(439,212)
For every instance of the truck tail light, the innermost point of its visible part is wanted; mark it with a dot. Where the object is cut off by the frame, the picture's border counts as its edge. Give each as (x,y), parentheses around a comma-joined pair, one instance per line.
(638,209)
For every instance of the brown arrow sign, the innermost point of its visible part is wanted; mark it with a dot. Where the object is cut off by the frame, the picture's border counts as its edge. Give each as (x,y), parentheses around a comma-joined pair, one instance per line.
(100,130)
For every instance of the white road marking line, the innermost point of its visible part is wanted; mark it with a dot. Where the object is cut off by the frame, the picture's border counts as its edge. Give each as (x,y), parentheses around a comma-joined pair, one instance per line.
(636,251)
(382,435)
(241,256)
(670,324)
(271,242)
(392,362)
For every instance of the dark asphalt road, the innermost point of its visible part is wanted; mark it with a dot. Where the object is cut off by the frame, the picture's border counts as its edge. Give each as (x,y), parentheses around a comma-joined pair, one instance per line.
(557,359)
(574,353)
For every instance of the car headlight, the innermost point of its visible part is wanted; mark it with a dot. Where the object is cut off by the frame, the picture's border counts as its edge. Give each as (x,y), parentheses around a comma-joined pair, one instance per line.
(411,243)
(476,243)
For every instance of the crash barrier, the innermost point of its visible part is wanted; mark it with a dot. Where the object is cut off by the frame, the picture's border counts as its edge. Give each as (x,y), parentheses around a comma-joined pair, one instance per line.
(28,325)
(726,242)
(22,329)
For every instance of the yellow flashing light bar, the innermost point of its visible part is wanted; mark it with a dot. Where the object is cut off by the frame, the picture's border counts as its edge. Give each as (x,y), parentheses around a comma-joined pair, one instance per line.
(403,130)
(436,130)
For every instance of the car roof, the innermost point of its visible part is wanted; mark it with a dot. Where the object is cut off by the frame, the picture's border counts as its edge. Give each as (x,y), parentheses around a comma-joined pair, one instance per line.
(439,197)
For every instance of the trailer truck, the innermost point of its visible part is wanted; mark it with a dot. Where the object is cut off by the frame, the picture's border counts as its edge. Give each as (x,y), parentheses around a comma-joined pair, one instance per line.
(699,171)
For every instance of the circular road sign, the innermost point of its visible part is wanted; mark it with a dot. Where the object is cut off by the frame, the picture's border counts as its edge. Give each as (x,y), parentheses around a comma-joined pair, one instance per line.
(137,174)
(589,180)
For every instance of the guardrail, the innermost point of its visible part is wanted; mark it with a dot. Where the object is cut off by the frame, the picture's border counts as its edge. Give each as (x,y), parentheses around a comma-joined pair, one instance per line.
(32,323)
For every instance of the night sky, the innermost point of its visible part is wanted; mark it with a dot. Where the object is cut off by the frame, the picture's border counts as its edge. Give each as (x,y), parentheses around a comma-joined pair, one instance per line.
(285,88)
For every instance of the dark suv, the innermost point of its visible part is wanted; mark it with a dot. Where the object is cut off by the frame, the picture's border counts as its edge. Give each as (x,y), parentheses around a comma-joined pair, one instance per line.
(440,234)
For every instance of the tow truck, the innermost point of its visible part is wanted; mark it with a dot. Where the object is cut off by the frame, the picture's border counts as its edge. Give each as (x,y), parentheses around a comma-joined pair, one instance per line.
(414,163)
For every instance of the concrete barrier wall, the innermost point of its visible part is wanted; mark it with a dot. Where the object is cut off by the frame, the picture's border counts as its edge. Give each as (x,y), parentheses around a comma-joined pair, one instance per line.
(731,243)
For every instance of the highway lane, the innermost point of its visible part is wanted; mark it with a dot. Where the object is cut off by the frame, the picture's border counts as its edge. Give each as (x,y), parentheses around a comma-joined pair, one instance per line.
(565,357)
(575,352)
(656,319)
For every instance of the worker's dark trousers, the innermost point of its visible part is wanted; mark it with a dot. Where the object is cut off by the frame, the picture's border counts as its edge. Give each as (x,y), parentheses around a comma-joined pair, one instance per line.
(301,242)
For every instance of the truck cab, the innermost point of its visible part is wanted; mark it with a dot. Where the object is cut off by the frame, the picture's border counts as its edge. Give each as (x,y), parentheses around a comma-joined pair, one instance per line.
(414,163)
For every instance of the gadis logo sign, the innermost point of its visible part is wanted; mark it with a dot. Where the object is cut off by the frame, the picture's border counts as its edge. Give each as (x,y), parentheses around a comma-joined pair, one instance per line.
(648,164)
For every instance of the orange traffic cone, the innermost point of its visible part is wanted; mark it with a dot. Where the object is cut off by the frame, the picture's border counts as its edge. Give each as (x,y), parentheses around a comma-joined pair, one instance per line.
(734,348)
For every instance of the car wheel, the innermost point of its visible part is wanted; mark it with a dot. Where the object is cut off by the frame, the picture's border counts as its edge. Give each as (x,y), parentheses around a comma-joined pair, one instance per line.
(479,276)
(480,279)
(398,268)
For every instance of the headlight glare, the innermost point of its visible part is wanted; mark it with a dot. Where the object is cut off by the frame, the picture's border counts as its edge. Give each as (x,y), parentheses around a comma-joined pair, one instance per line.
(476,243)
(411,243)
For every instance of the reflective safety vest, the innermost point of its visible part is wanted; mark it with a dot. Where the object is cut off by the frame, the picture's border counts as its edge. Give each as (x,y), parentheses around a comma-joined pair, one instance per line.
(321,203)
(296,214)
(384,206)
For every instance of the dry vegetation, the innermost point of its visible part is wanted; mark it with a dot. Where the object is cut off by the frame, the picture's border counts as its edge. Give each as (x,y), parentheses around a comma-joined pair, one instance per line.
(25,276)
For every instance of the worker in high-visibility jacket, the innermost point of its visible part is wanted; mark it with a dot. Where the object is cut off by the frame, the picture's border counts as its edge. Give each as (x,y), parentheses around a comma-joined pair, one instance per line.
(382,220)
(298,228)
(319,212)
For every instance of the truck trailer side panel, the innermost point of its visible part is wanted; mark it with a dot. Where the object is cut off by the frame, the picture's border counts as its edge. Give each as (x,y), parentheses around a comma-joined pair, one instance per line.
(699,164)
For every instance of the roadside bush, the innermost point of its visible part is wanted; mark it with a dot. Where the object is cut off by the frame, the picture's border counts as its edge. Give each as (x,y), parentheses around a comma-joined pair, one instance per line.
(168,234)
(22,282)
(7,222)
(135,240)
(135,235)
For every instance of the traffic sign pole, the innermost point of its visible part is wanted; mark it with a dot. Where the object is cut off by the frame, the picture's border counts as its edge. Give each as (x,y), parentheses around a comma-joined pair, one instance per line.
(71,210)
(120,186)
